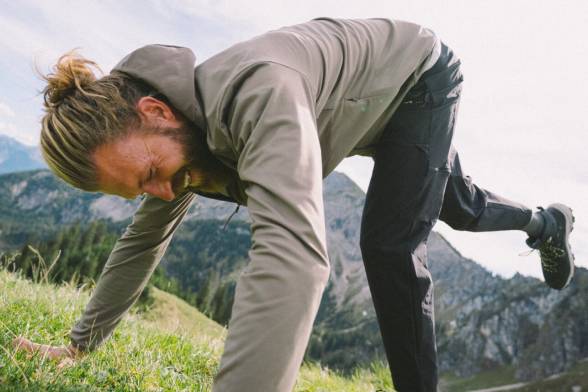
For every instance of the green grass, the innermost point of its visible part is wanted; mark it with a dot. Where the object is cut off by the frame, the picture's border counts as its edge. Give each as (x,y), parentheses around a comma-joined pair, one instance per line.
(170,347)
(577,376)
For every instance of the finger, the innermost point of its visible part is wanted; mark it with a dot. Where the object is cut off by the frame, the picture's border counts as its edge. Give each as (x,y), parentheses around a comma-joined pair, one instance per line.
(44,351)
(56,353)
(22,344)
(65,363)
(33,349)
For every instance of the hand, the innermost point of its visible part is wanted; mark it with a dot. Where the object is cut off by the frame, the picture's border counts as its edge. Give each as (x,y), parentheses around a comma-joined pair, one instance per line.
(66,356)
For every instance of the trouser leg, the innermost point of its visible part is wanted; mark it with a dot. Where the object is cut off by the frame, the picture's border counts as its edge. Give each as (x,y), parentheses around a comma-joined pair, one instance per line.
(403,202)
(468,207)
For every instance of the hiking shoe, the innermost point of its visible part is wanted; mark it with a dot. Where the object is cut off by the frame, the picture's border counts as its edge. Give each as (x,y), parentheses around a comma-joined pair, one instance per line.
(557,259)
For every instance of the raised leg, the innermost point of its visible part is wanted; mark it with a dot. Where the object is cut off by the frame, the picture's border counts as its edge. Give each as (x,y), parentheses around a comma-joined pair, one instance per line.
(471,208)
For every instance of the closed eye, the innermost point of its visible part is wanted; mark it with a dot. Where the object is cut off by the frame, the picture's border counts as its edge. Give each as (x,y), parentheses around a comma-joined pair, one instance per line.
(149,177)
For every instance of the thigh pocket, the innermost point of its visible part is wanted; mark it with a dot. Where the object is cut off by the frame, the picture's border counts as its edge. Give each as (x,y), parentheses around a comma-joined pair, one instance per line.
(400,171)
(433,198)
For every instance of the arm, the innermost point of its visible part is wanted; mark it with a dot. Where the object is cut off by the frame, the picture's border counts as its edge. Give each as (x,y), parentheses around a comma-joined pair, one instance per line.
(128,269)
(273,128)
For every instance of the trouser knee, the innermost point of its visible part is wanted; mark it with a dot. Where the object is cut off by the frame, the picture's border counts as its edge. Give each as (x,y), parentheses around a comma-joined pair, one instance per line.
(463,203)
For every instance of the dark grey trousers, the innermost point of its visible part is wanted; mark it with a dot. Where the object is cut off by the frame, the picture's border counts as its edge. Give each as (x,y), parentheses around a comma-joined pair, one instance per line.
(417,179)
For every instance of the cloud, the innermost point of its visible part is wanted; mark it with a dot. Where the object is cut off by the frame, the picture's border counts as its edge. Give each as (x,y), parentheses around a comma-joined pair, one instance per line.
(261,15)
(107,28)
(10,129)
(6,111)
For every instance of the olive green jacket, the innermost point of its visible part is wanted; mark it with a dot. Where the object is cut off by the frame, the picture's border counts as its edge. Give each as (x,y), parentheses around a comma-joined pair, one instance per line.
(282,110)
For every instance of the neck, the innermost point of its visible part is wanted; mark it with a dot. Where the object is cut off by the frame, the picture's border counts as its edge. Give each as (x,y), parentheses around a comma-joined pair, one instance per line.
(219,177)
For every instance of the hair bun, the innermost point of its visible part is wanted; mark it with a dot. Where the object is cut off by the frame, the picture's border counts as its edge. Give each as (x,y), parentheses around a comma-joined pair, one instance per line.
(71,73)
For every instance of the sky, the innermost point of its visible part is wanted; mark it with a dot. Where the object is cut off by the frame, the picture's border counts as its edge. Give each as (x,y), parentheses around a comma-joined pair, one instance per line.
(521,129)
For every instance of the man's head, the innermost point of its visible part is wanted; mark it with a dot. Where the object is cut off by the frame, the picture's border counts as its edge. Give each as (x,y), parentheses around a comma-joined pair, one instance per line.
(117,135)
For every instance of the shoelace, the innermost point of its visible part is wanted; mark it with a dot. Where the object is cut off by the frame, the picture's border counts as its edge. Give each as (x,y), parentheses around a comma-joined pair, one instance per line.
(549,256)
(527,252)
(547,251)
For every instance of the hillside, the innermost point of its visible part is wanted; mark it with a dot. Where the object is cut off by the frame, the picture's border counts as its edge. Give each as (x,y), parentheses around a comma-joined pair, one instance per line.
(503,331)
(169,347)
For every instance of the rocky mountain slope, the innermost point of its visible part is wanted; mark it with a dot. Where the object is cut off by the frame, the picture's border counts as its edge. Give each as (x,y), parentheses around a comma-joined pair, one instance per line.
(15,156)
(484,322)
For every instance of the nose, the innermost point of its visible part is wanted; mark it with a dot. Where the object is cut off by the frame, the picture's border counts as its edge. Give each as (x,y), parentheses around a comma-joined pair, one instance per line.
(162,190)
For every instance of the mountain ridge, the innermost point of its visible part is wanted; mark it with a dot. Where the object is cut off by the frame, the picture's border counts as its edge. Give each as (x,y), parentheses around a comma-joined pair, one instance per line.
(16,156)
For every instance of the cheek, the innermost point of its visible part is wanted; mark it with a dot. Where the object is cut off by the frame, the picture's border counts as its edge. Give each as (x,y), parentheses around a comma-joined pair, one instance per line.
(172,168)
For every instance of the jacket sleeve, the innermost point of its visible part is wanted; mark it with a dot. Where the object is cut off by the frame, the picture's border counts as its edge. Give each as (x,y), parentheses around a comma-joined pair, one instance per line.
(128,268)
(273,130)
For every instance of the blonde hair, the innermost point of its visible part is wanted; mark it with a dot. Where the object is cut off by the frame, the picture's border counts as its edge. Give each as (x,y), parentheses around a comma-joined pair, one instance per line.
(82,113)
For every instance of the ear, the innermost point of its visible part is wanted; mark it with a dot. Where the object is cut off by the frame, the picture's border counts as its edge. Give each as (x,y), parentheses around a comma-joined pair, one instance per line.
(155,112)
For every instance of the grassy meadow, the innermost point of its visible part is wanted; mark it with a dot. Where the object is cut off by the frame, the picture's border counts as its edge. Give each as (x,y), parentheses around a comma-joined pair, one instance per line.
(169,346)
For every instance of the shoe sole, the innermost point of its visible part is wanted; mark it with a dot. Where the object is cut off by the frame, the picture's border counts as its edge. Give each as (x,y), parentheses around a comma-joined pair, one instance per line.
(569,218)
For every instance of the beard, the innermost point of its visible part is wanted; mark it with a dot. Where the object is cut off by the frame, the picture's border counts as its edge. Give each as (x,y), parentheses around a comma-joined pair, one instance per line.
(205,170)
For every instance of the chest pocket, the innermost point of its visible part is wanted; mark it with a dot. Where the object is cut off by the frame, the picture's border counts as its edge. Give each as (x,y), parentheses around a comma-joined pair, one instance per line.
(359,118)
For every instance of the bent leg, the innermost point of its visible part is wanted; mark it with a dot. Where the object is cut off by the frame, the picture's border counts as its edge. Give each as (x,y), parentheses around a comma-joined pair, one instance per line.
(471,208)
(394,230)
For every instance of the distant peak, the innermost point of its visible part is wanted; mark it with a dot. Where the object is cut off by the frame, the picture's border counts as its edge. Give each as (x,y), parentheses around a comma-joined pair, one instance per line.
(5,139)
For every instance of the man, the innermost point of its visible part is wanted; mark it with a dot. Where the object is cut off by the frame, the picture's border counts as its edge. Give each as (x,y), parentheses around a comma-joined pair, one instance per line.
(261,124)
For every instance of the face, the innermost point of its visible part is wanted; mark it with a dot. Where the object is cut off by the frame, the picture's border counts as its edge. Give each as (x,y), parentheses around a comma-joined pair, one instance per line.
(160,163)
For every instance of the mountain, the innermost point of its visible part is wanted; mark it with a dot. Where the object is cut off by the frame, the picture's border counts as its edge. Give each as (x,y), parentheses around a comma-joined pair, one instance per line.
(36,202)
(15,156)
(485,323)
